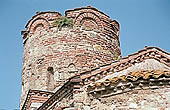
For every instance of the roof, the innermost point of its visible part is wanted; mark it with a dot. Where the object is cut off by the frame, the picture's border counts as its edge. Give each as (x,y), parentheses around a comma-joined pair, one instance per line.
(91,77)
(139,78)
(147,68)
(63,92)
(32,93)
(126,62)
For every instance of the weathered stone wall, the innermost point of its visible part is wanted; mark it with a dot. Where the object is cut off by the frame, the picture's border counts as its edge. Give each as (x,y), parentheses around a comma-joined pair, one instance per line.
(51,55)
(149,99)
(157,99)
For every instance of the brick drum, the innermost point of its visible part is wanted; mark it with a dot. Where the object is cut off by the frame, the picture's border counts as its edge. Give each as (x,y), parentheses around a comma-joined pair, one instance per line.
(52,55)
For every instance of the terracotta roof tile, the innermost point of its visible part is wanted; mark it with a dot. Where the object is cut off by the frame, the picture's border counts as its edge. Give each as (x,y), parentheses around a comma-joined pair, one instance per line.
(132,76)
(125,62)
(122,64)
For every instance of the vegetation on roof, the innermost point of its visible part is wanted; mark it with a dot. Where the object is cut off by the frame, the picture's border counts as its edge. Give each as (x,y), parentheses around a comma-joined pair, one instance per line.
(62,21)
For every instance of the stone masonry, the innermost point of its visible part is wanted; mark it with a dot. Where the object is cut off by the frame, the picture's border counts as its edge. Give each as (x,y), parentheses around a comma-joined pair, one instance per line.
(51,55)
(73,62)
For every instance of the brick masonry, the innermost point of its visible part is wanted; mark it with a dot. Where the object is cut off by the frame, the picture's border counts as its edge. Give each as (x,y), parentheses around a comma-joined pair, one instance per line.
(74,68)
(52,55)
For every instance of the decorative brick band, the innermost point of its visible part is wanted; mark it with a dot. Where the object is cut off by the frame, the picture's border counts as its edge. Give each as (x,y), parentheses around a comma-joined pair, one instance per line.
(89,16)
(129,82)
(40,20)
(35,96)
(146,53)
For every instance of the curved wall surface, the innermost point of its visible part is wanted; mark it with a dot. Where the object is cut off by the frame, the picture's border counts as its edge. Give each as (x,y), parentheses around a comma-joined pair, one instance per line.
(52,55)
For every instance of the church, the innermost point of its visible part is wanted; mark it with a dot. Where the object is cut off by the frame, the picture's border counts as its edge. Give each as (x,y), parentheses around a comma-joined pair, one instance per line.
(74,62)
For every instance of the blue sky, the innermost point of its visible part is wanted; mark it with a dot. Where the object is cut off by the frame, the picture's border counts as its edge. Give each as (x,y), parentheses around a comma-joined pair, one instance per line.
(142,23)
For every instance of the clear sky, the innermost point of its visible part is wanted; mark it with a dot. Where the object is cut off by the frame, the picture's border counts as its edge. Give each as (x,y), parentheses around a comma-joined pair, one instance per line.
(142,23)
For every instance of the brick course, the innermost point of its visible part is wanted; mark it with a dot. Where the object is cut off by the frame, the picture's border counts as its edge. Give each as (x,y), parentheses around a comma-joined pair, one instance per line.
(81,68)
(68,50)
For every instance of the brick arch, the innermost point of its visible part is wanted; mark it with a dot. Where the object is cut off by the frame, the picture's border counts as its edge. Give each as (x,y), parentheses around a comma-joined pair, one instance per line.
(38,22)
(88,16)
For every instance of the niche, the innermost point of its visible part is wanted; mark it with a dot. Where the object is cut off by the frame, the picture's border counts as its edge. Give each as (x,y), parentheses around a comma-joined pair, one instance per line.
(88,24)
(50,77)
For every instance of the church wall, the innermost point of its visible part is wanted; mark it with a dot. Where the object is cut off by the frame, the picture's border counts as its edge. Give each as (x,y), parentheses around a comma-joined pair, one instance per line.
(52,54)
(149,99)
